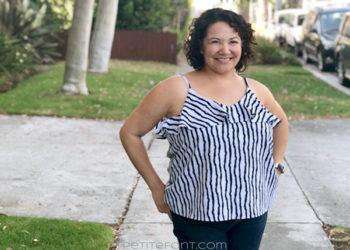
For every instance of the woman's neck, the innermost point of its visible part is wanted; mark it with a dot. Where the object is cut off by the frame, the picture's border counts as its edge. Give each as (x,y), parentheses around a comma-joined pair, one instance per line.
(215,77)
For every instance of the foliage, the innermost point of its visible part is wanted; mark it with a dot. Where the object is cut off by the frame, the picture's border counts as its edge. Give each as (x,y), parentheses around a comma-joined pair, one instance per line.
(15,56)
(181,21)
(59,12)
(165,15)
(41,233)
(339,236)
(267,52)
(241,3)
(25,24)
(144,14)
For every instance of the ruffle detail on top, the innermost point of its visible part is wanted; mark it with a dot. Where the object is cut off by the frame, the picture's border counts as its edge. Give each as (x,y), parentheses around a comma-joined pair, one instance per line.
(196,113)
(200,112)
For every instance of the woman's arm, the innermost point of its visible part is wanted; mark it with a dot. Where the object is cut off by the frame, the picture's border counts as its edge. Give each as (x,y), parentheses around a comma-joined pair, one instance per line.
(280,135)
(280,131)
(158,103)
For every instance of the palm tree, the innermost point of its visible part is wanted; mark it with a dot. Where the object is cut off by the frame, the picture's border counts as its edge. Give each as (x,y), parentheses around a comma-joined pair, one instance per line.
(262,13)
(78,48)
(103,35)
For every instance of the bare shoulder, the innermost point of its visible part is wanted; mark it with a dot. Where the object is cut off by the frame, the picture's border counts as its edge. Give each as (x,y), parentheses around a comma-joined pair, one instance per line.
(266,98)
(173,86)
(261,91)
(171,94)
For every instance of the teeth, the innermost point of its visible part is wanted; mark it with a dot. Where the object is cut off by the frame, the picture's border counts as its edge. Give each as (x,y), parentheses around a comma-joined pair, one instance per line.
(224,59)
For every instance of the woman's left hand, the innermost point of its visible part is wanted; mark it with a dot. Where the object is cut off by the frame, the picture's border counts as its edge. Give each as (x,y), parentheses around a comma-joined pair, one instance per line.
(158,198)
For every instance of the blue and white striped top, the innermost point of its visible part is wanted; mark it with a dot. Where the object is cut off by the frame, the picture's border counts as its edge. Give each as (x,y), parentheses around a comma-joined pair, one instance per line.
(221,166)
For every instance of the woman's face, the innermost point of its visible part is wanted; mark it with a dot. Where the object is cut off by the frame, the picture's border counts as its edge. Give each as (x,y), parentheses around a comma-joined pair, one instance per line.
(222,48)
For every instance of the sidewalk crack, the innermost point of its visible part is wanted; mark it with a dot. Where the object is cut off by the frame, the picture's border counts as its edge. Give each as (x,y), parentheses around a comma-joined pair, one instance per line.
(117,227)
(304,194)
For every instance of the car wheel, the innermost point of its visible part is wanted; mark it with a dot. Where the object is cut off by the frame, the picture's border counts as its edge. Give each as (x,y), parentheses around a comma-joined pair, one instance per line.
(341,72)
(296,49)
(320,61)
(305,56)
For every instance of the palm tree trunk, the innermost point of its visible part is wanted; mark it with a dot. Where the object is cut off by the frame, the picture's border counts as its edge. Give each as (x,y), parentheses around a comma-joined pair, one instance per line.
(103,35)
(262,14)
(78,48)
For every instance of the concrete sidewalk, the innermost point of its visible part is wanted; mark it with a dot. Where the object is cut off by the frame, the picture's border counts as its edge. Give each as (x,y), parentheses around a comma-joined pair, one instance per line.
(63,168)
(77,169)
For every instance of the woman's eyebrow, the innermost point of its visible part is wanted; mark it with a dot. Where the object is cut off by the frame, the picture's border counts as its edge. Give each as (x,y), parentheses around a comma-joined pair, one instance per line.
(217,38)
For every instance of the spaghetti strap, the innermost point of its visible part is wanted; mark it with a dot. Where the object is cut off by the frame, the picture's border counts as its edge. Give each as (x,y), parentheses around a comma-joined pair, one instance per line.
(246,82)
(186,81)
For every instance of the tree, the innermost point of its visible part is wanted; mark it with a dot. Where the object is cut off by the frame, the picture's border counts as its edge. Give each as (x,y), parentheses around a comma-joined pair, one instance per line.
(145,14)
(103,35)
(262,14)
(77,48)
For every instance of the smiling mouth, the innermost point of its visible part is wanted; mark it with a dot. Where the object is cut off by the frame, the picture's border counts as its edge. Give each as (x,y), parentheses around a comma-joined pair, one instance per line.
(226,59)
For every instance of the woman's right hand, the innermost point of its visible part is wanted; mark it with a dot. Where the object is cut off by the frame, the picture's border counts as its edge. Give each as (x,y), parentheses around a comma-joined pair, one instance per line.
(158,198)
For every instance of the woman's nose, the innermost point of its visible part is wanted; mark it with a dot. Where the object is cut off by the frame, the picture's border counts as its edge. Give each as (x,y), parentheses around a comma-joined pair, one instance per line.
(224,48)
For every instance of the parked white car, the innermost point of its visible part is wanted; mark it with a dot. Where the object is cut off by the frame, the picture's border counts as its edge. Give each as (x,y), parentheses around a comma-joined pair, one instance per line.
(281,20)
(293,31)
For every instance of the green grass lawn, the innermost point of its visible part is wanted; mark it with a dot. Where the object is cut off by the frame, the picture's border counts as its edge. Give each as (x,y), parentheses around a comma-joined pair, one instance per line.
(301,95)
(115,95)
(52,234)
(112,96)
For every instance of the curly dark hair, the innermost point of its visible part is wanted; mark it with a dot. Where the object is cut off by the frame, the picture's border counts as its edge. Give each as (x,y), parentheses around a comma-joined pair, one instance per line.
(198,31)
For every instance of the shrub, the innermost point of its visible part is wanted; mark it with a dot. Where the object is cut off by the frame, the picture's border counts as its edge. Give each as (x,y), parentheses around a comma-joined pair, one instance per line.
(14,54)
(25,40)
(59,13)
(267,52)
(290,59)
(25,24)
(15,57)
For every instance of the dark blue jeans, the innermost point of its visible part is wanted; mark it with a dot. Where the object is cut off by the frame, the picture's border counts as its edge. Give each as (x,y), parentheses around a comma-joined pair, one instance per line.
(243,234)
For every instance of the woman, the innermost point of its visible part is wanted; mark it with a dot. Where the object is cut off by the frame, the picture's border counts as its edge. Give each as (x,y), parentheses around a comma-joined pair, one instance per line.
(227,137)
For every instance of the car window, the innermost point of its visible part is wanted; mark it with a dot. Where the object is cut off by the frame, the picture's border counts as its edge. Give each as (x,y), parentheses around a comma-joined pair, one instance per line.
(346,29)
(301,19)
(284,18)
(291,19)
(330,21)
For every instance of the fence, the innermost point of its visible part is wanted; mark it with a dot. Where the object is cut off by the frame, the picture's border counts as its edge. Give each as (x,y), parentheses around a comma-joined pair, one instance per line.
(140,45)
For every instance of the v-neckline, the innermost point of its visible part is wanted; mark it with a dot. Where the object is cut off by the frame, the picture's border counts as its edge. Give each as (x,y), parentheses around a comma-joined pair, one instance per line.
(219,103)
